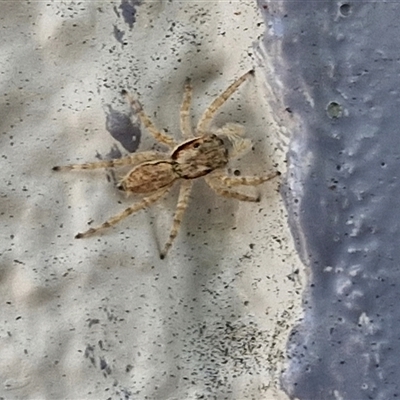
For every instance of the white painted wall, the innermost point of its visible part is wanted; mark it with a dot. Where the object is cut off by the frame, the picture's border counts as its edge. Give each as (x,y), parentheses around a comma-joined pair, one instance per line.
(104,317)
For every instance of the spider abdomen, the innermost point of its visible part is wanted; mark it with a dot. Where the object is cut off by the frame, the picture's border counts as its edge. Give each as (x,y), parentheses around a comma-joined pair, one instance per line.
(149,177)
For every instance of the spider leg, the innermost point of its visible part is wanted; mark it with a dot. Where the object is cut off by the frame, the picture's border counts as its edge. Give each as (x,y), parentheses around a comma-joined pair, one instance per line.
(186,125)
(230,181)
(183,201)
(145,202)
(162,137)
(136,158)
(205,120)
(226,192)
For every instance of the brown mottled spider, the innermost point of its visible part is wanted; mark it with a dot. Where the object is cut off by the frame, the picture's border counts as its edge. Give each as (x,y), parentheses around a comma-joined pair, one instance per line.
(202,154)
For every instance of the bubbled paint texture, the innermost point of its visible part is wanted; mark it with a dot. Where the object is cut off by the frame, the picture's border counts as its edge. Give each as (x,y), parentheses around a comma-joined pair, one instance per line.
(339,66)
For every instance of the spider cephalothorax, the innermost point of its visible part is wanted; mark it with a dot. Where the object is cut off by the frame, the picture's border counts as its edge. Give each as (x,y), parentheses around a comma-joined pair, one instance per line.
(201,154)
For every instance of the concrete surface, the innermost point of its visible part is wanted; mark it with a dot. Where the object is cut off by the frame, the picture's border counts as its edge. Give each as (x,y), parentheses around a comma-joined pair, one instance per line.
(336,70)
(104,317)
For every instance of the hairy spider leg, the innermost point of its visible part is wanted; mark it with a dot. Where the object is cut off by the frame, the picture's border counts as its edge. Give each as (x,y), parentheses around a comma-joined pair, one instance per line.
(136,158)
(145,202)
(183,201)
(222,184)
(205,120)
(230,181)
(162,137)
(225,192)
(186,124)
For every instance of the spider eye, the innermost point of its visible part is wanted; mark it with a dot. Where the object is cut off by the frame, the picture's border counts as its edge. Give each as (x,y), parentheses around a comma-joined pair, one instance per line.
(196,145)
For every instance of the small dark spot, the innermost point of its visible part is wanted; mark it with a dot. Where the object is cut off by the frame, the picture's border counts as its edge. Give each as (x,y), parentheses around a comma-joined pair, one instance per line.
(236,172)
(93,321)
(334,110)
(78,236)
(104,365)
(128,368)
(345,9)
(56,168)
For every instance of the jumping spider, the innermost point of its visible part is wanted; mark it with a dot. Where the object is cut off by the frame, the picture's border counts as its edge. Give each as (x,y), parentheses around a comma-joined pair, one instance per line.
(203,153)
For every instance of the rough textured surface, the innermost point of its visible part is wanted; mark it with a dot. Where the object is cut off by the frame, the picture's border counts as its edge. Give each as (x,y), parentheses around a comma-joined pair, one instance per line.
(339,67)
(104,317)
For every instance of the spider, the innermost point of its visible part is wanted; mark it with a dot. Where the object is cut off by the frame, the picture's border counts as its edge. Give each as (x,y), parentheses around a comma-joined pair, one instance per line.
(203,153)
